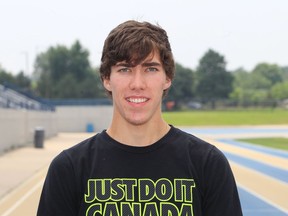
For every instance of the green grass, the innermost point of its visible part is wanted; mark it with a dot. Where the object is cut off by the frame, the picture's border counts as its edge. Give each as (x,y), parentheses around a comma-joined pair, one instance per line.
(231,117)
(275,142)
(236,118)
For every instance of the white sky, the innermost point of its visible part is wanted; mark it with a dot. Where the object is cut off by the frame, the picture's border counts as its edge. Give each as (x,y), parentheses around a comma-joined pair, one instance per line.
(246,32)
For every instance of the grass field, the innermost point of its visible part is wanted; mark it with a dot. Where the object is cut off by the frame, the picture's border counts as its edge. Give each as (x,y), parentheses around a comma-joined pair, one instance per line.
(237,118)
(233,117)
(275,142)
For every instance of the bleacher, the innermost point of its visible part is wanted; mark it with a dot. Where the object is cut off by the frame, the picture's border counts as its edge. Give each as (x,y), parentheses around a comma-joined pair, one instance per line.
(14,98)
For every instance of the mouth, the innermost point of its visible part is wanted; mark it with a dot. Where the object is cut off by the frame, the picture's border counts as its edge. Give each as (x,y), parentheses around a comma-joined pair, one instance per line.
(137,100)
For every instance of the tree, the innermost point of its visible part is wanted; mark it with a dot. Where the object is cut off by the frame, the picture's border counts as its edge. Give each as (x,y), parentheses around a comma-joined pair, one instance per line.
(66,87)
(5,76)
(280,91)
(63,72)
(92,87)
(249,88)
(271,72)
(78,63)
(20,80)
(50,68)
(182,85)
(23,81)
(213,81)
(241,82)
(256,86)
(285,73)
(264,77)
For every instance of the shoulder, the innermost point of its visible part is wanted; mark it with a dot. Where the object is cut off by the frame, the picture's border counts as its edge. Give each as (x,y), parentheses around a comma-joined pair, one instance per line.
(191,141)
(197,148)
(79,151)
(87,145)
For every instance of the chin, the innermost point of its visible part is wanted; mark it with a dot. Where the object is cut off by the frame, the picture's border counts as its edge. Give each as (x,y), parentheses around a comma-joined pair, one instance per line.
(137,122)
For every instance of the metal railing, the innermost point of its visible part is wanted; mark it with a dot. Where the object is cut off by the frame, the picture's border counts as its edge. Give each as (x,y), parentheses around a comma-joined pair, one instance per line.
(14,98)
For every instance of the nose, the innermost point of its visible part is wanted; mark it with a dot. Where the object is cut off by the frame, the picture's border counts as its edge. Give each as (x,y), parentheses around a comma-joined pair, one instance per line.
(137,79)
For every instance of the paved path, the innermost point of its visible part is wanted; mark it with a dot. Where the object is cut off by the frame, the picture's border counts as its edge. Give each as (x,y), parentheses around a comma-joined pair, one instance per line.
(261,175)
(23,171)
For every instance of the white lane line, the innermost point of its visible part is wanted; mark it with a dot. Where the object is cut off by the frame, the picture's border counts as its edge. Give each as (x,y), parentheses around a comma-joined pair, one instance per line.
(23,198)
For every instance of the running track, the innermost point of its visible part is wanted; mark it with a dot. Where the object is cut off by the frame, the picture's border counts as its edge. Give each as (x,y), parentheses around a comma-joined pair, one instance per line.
(261,173)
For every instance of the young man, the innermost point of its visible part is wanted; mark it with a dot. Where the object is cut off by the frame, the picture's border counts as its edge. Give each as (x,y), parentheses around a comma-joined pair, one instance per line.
(140,165)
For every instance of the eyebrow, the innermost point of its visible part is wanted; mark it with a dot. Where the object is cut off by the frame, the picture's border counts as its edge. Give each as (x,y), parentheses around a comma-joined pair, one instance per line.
(149,64)
(122,64)
(144,64)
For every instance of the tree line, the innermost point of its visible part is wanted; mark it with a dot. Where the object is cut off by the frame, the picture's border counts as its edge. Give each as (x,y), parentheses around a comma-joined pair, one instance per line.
(65,73)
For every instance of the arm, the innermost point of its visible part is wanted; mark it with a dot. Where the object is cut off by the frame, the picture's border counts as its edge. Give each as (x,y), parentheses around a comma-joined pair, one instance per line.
(221,195)
(59,194)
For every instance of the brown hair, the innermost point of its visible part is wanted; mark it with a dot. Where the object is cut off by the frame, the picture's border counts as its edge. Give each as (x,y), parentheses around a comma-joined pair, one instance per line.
(133,41)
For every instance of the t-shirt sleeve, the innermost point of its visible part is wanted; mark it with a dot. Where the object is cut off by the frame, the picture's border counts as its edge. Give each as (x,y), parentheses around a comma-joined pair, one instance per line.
(221,196)
(59,191)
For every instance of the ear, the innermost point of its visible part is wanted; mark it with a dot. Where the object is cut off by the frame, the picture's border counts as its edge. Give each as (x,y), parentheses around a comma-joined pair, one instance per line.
(167,83)
(106,83)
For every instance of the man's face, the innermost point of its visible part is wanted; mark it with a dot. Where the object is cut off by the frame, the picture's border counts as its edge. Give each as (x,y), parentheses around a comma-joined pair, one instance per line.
(137,90)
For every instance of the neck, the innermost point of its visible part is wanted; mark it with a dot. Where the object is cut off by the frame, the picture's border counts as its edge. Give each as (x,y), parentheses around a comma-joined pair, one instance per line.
(138,135)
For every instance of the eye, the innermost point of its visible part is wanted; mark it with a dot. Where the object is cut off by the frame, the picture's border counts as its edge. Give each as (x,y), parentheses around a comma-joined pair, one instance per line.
(124,70)
(152,69)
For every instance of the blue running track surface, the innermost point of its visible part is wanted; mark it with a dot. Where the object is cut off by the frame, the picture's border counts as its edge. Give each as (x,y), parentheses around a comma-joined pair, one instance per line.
(254,206)
(262,149)
(266,169)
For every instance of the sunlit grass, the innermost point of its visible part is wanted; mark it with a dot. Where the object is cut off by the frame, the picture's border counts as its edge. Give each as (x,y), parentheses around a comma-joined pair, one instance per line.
(236,118)
(231,117)
(275,142)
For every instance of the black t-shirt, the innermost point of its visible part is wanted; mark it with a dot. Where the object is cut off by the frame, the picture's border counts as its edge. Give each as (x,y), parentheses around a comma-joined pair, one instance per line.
(178,175)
